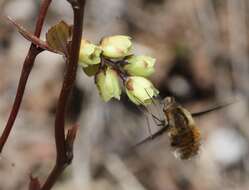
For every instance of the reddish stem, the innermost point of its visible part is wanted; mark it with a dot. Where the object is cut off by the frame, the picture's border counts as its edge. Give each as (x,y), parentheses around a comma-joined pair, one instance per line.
(27,67)
(68,82)
(63,149)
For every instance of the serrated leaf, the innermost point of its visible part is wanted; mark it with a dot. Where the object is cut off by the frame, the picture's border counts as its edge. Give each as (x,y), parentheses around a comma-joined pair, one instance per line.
(59,36)
(91,69)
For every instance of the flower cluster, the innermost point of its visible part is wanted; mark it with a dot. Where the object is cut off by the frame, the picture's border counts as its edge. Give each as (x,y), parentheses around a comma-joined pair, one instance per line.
(112,60)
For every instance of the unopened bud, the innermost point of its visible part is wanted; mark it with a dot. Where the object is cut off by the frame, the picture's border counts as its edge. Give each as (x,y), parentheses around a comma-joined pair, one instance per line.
(140,90)
(140,65)
(116,47)
(89,54)
(108,84)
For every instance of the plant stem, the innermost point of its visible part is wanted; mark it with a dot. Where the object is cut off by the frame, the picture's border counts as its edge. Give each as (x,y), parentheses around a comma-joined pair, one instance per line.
(53,176)
(64,152)
(68,82)
(27,67)
(117,67)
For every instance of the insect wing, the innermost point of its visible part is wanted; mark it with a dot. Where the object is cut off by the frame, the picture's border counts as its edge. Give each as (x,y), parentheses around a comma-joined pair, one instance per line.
(215,108)
(152,137)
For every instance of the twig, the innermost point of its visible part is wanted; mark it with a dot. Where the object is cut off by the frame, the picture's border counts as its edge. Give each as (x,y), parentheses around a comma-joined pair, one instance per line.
(32,38)
(64,145)
(27,67)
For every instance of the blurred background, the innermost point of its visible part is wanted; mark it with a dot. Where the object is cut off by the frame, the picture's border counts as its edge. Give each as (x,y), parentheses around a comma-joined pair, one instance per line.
(202,52)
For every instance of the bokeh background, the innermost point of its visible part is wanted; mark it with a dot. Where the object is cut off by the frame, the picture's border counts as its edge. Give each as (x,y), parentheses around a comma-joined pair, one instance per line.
(202,52)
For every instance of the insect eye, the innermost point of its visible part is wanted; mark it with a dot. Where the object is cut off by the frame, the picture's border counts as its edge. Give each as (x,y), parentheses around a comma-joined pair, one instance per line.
(167,100)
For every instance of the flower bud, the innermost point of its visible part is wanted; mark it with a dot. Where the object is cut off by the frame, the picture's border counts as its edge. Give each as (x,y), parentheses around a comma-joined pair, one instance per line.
(140,65)
(89,54)
(140,90)
(108,84)
(117,46)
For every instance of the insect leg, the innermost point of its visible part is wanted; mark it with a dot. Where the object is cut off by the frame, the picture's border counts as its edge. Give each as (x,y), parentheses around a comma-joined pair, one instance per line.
(155,104)
(148,125)
(155,119)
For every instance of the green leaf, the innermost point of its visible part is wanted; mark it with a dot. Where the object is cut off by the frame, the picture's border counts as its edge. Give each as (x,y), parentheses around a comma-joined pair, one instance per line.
(59,36)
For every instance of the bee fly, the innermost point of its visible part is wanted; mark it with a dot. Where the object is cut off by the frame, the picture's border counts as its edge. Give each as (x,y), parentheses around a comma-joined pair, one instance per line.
(178,123)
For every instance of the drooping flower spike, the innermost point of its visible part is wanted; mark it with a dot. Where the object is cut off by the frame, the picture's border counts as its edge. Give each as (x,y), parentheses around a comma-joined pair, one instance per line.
(112,60)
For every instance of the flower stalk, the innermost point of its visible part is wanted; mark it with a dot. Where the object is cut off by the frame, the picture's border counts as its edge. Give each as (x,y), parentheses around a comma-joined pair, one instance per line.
(65,154)
(26,69)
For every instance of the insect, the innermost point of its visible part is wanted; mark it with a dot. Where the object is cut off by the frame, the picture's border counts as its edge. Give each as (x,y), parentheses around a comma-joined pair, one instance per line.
(179,124)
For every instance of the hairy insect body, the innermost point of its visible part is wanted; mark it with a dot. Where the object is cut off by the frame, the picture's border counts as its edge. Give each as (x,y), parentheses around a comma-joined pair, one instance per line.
(178,123)
(182,130)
